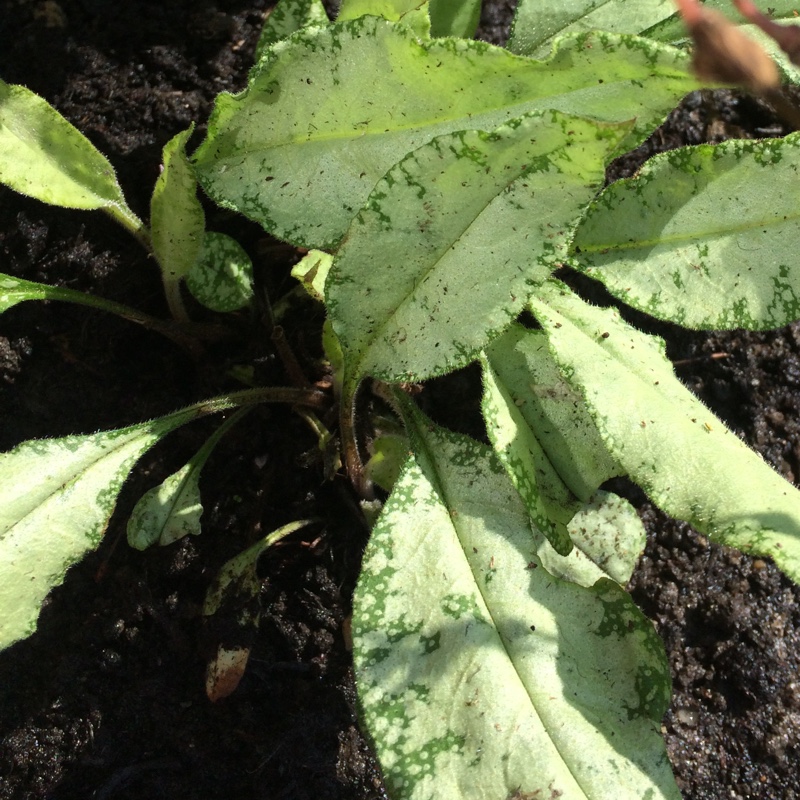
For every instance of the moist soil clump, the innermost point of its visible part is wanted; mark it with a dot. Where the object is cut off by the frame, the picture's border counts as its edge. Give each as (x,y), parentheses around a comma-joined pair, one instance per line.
(107,699)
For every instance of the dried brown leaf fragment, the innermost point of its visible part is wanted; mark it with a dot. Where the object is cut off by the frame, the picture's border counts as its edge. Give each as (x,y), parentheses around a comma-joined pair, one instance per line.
(724,54)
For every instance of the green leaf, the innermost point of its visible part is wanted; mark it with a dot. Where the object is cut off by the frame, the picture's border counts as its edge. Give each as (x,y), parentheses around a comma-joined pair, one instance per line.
(538,22)
(531,400)
(241,571)
(703,236)
(176,217)
(609,537)
(413,13)
(481,675)
(56,497)
(455,17)
(454,238)
(312,271)
(388,454)
(551,408)
(665,439)
(45,157)
(222,276)
(549,502)
(290,154)
(172,509)
(288,17)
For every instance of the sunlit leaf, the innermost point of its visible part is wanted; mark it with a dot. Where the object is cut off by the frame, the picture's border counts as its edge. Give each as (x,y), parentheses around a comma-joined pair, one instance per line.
(288,153)
(44,156)
(538,22)
(703,236)
(688,462)
(176,217)
(56,498)
(480,674)
(172,509)
(455,237)
(288,17)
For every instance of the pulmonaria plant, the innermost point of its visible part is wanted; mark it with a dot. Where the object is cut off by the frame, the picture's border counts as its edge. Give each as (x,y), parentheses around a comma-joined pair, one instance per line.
(439,182)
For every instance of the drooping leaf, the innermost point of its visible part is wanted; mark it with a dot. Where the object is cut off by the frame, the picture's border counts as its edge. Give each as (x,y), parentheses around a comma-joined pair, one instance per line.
(177,220)
(688,462)
(538,22)
(288,153)
(481,675)
(172,509)
(288,17)
(222,276)
(703,236)
(56,497)
(535,401)
(45,157)
(453,239)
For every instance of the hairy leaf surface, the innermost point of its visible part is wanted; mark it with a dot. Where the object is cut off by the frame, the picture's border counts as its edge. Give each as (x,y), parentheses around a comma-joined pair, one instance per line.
(455,237)
(290,154)
(45,157)
(552,409)
(688,462)
(480,674)
(56,498)
(703,236)
(177,220)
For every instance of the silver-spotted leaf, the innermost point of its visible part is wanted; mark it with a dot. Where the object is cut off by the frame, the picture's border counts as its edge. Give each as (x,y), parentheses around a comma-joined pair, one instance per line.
(664,438)
(288,153)
(537,23)
(551,408)
(455,237)
(232,609)
(608,536)
(173,509)
(56,497)
(222,276)
(550,503)
(479,673)
(704,236)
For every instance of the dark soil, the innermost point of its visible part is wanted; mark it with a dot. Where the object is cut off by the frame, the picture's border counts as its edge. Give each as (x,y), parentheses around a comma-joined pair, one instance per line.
(107,699)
